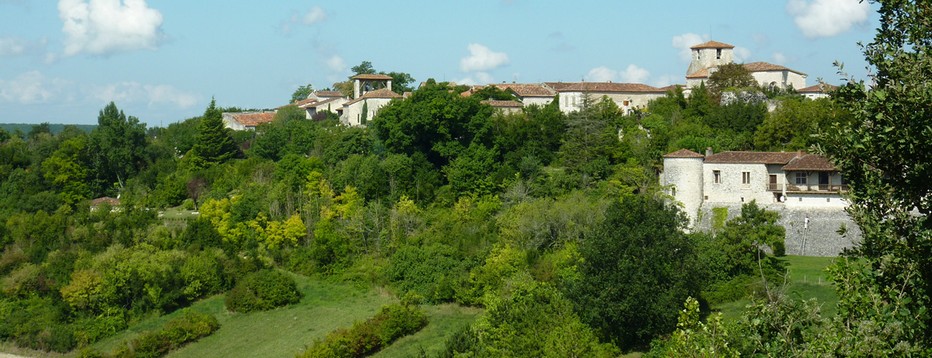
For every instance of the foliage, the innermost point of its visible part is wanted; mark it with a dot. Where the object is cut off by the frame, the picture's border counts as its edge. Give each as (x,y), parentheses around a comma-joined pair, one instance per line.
(214,143)
(886,157)
(188,327)
(636,269)
(694,338)
(301,93)
(730,76)
(796,124)
(262,290)
(365,338)
(527,319)
(430,271)
(116,146)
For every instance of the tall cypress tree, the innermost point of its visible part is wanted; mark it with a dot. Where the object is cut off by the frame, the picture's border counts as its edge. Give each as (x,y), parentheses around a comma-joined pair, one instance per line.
(214,142)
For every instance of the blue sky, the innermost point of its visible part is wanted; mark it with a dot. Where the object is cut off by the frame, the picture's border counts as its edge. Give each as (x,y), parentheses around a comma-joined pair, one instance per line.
(162,60)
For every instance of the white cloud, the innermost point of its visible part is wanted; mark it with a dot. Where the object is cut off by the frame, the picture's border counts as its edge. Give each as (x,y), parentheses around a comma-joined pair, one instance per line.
(336,64)
(666,80)
(779,58)
(827,18)
(30,88)
(601,74)
(684,41)
(634,74)
(477,79)
(741,54)
(482,59)
(101,27)
(137,92)
(12,46)
(631,74)
(314,16)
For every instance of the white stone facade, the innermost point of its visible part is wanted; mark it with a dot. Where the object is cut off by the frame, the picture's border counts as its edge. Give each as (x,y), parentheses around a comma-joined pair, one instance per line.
(789,180)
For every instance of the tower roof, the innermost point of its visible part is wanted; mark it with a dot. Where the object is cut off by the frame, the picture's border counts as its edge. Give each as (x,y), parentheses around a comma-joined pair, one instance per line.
(683,153)
(712,44)
(371,76)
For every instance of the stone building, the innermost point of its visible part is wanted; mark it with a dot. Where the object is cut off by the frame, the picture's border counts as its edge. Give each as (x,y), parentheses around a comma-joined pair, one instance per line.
(790,180)
(627,96)
(708,56)
(371,92)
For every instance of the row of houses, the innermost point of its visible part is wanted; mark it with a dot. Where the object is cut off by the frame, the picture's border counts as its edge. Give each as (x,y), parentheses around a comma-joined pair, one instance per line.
(371,92)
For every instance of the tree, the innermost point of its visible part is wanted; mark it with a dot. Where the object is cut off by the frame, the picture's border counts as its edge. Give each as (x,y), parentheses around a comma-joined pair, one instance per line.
(117,145)
(214,142)
(886,157)
(796,123)
(638,268)
(301,93)
(401,81)
(730,76)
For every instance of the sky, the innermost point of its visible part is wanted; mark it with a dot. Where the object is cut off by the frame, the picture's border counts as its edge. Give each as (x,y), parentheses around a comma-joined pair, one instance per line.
(163,60)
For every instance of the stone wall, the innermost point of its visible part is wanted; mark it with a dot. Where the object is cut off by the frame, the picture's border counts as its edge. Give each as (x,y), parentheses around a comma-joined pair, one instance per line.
(822,237)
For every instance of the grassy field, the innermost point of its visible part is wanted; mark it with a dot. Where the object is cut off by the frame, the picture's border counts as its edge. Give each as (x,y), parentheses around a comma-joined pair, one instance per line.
(805,278)
(287,331)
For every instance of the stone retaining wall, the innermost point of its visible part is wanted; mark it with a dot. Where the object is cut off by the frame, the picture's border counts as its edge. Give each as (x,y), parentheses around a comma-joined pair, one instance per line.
(829,232)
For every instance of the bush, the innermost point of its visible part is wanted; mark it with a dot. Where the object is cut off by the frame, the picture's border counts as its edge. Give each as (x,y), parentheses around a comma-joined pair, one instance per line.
(188,327)
(263,290)
(365,338)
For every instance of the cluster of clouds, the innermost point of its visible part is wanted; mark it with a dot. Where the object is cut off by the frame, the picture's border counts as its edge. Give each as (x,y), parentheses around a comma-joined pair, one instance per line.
(33,87)
(480,61)
(103,27)
(827,18)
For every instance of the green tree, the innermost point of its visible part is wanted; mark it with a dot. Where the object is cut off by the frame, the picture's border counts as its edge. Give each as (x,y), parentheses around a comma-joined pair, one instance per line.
(886,157)
(117,145)
(638,268)
(301,93)
(214,143)
(730,76)
(796,124)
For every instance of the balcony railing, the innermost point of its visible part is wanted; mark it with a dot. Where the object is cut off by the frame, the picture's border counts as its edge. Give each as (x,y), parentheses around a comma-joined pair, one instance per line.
(833,188)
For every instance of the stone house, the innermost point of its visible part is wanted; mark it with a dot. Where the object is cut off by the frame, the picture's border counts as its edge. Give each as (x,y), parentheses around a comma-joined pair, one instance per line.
(371,92)
(822,90)
(708,56)
(792,180)
(627,96)
(525,93)
(240,121)
(321,101)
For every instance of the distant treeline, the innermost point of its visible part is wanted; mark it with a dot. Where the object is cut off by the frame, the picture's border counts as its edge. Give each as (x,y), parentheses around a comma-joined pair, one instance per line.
(54,128)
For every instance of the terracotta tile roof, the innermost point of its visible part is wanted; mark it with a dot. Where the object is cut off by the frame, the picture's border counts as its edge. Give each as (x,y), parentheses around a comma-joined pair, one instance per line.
(671,87)
(712,44)
(607,87)
(302,103)
(371,76)
(751,157)
(105,200)
(557,86)
(703,73)
(251,119)
(527,90)
(810,162)
(764,67)
(683,153)
(818,88)
(328,94)
(503,104)
(379,93)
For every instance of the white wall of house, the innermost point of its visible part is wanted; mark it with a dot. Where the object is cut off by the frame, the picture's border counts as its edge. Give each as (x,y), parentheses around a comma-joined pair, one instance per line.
(626,101)
(230,122)
(782,79)
(540,101)
(683,176)
(730,187)
(800,200)
(352,114)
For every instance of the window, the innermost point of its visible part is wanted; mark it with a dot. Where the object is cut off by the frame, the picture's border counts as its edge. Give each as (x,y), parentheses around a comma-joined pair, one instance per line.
(673,191)
(745,177)
(717,176)
(718,54)
(801,178)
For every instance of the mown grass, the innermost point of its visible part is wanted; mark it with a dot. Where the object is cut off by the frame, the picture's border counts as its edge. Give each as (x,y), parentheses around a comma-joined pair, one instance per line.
(443,321)
(805,278)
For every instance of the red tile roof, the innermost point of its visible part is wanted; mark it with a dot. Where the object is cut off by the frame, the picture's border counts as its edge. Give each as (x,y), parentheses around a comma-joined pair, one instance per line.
(818,88)
(105,200)
(703,73)
(379,93)
(503,104)
(683,153)
(328,94)
(751,157)
(712,44)
(252,119)
(371,76)
(606,87)
(810,162)
(765,67)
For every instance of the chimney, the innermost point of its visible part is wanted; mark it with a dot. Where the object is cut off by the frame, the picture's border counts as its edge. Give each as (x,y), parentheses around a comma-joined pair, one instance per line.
(708,151)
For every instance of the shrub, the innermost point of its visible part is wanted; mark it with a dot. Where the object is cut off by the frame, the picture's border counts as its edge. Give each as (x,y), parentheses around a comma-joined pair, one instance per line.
(188,327)
(263,290)
(365,338)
